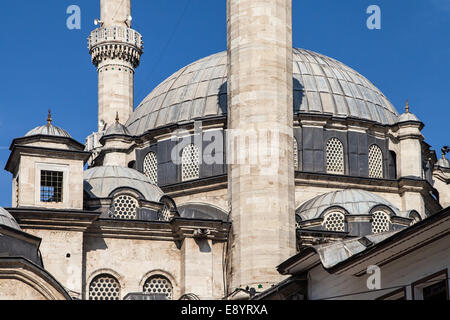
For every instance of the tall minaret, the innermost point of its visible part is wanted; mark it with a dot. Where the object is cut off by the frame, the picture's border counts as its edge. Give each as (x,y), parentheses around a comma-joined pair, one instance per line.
(261,109)
(116,50)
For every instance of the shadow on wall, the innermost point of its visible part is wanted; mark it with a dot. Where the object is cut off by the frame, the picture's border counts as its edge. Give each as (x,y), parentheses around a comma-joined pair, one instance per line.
(298,95)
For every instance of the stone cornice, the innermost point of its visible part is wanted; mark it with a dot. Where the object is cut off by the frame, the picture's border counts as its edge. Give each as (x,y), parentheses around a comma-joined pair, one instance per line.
(37,218)
(177,229)
(18,150)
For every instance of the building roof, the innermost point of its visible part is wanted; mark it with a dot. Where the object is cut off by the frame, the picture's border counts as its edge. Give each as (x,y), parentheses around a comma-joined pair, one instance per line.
(443,163)
(48,130)
(6,219)
(354,201)
(117,129)
(379,249)
(101,182)
(322,85)
(408,116)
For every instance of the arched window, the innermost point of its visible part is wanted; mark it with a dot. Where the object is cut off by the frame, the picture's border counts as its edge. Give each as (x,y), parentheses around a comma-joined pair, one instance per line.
(375,162)
(151,167)
(335,156)
(296,166)
(104,287)
(159,285)
(165,214)
(334,221)
(380,222)
(125,207)
(190,166)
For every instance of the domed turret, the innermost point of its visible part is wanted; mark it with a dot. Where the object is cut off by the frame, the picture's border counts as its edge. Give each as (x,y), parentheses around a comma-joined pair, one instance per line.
(48,130)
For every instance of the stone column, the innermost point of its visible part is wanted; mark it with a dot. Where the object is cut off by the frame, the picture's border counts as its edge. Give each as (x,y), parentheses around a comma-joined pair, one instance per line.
(116,50)
(260,110)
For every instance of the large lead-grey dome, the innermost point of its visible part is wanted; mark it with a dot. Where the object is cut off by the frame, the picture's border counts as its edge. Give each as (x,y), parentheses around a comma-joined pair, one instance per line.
(100,182)
(354,201)
(321,85)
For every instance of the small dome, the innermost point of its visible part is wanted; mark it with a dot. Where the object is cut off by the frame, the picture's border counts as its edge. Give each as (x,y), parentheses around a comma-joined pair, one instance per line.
(443,163)
(322,85)
(355,201)
(6,219)
(408,116)
(117,129)
(100,182)
(48,130)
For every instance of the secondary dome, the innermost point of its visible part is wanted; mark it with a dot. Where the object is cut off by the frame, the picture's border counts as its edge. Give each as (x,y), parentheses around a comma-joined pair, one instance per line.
(48,130)
(321,85)
(6,219)
(354,201)
(100,182)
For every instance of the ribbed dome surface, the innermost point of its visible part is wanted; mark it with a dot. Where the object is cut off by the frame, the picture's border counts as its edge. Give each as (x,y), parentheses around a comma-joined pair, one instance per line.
(6,219)
(117,129)
(321,85)
(355,201)
(48,130)
(100,182)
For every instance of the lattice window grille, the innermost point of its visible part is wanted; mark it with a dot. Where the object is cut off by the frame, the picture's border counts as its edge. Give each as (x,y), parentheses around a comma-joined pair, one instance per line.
(334,221)
(159,285)
(335,156)
(125,207)
(104,287)
(151,167)
(165,214)
(380,222)
(296,164)
(190,167)
(375,162)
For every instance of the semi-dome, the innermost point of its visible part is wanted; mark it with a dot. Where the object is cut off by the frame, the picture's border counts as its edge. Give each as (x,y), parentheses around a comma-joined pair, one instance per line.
(354,201)
(101,182)
(322,85)
(6,219)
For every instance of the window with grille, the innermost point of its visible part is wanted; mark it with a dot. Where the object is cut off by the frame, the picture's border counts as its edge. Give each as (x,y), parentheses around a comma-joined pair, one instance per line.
(334,221)
(165,214)
(51,186)
(159,285)
(335,156)
(190,166)
(104,287)
(151,167)
(380,222)
(375,162)
(125,207)
(296,166)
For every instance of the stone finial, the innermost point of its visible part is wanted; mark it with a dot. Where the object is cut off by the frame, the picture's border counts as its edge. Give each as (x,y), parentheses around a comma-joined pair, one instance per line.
(407,106)
(117,117)
(49,117)
(445,150)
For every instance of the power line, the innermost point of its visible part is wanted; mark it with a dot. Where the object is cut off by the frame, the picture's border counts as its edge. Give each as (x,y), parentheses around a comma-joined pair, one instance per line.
(165,47)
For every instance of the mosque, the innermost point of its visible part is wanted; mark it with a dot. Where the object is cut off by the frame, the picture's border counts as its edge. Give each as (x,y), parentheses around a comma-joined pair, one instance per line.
(163,201)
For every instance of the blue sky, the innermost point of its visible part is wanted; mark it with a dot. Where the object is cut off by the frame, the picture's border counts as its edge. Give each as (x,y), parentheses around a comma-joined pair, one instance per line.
(45,65)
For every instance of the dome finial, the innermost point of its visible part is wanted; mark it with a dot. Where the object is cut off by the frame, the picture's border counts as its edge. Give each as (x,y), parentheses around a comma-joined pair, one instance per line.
(407,106)
(49,117)
(117,117)
(445,150)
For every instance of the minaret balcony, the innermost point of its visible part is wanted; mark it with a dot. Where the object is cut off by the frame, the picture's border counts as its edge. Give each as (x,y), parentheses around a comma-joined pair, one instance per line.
(115,35)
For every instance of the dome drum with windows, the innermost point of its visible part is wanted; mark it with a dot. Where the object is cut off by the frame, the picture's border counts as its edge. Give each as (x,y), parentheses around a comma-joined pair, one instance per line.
(352,212)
